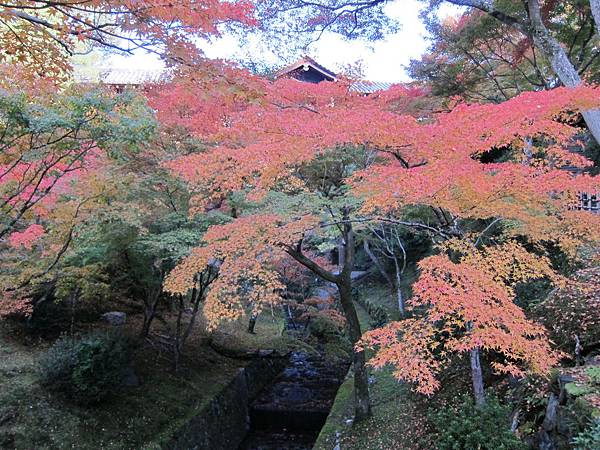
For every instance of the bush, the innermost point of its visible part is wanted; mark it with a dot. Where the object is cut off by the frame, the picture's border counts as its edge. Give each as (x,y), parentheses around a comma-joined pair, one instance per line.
(87,369)
(323,327)
(574,309)
(467,426)
(588,439)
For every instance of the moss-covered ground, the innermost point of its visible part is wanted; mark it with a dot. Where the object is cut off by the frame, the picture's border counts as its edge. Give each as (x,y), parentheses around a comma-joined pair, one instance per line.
(397,415)
(135,417)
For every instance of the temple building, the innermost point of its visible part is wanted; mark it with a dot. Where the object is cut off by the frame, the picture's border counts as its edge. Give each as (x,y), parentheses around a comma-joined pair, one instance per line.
(305,70)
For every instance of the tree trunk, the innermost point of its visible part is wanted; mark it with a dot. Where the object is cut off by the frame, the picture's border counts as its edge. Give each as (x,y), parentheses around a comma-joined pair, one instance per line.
(399,295)
(377,263)
(559,60)
(252,323)
(148,318)
(477,377)
(595,4)
(150,312)
(362,405)
(341,255)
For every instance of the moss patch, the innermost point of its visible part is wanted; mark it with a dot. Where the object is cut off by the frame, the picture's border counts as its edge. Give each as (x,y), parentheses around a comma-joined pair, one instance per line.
(135,417)
(396,420)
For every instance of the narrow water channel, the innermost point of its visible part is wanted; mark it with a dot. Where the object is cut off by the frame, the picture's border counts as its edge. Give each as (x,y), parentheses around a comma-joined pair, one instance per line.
(289,414)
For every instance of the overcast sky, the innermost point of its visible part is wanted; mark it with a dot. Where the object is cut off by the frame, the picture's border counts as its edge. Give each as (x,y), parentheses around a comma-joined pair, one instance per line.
(381,61)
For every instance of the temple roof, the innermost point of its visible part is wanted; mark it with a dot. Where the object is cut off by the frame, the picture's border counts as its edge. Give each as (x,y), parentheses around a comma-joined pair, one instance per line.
(306,64)
(305,69)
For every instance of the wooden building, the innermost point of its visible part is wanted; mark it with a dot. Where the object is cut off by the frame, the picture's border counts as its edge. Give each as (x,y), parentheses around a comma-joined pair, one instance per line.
(306,70)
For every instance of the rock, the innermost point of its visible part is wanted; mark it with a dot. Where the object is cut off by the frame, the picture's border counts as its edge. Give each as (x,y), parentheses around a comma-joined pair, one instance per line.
(549,423)
(264,353)
(114,317)
(358,274)
(7,440)
(130,378)
(544,441)
(565,378)
(563,425)
(7,414)
(322,293)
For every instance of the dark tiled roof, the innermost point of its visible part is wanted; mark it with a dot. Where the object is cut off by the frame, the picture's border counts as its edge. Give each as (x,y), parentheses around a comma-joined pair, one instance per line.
(306,61)
(119,76)
(368,87)
(122,76)
(138,77)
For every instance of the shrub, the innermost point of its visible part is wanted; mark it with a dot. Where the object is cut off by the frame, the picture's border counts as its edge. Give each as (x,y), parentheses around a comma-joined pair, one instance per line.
(574,310)
(87,369)
(467,426)
(323,327)
(589,439)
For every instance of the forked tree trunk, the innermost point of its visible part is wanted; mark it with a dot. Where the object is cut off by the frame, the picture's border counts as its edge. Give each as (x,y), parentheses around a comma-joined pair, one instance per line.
(343,281)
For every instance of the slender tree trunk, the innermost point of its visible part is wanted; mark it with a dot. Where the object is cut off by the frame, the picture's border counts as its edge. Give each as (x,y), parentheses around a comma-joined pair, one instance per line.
(377,263)
(252,323)
(477,377)
(151,301)
(150,312)
(399,295)
(177,340)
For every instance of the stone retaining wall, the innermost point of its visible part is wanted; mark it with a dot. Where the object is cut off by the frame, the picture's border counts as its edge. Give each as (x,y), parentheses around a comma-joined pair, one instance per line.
(224,422)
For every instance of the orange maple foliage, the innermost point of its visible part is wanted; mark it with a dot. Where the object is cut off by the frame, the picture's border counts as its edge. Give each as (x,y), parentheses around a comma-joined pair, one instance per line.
(436,161)
(469,305)
(247,250)
(41,36)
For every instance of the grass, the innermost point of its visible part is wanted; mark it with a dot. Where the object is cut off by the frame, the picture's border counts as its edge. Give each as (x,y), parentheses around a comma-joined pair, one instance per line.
(136,417)
(269,335)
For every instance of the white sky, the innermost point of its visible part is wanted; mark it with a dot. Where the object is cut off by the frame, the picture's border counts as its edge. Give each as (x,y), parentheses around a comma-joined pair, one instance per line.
(381,61)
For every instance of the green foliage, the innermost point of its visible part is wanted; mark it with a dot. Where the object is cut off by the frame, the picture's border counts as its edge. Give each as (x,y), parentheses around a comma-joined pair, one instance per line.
(594,374)
(323,328)
(87,283)
(378,314)
(573,310)
(577,390)
(589,439)
(88,369)
(467,426)
(327,173)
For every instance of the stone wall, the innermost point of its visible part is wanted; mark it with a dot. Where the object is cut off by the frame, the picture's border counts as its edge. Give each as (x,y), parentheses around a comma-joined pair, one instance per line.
(224,422)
